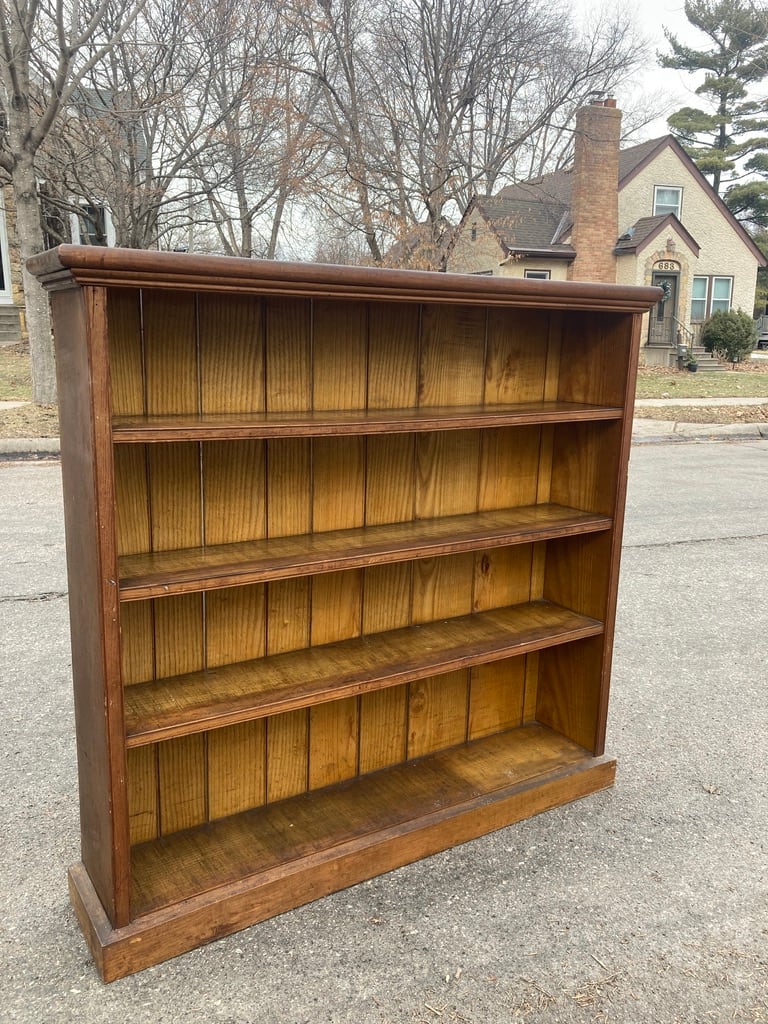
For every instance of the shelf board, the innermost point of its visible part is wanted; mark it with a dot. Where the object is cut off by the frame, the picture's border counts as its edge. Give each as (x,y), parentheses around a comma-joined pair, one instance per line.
(199,701)
(362,814)
(187,570)
(211,427)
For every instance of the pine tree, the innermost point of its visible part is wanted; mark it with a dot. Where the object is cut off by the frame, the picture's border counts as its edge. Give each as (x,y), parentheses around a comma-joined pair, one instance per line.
(734,126)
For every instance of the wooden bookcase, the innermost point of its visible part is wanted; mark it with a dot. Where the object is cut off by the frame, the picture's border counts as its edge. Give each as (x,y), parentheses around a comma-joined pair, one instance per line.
(343,550)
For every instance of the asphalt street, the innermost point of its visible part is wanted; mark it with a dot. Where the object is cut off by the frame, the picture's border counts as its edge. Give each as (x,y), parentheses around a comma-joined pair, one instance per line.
(647,903)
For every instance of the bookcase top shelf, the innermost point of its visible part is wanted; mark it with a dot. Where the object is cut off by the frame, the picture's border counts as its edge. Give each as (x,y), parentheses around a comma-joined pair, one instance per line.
(205,427)
(71,265)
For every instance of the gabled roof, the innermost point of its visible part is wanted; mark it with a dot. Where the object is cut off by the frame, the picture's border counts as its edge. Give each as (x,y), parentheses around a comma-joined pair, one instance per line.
(540,222)
(556,187)
(646,229)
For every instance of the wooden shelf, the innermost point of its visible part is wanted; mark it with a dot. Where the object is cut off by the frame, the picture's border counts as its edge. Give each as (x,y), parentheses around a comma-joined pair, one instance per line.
(406,797)
(199,701)
(225,565)
(140,429)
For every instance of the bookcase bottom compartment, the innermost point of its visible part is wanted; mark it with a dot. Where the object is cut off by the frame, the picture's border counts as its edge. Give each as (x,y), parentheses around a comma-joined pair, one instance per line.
(203,883)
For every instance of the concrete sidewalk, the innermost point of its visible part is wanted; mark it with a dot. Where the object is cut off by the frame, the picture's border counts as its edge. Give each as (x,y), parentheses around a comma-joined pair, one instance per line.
(647,903)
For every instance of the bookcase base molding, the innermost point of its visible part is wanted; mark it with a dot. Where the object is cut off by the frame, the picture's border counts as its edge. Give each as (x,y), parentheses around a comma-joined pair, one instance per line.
(339,837)
(343,549)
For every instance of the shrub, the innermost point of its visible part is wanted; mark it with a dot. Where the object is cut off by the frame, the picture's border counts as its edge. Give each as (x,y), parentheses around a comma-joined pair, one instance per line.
(732,334)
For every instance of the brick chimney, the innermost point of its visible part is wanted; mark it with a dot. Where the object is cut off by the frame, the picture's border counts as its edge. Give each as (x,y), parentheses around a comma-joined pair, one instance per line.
(595,192)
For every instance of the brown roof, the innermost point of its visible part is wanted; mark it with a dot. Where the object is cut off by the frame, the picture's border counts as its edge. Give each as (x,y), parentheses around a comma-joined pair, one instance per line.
(556,187)
(647,228)
(540,221)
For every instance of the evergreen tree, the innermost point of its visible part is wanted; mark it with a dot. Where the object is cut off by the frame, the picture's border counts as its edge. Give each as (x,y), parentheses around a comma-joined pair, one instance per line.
(733,127)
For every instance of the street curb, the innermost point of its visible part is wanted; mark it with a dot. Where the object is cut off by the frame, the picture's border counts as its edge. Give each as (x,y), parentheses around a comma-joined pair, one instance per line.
(30,447)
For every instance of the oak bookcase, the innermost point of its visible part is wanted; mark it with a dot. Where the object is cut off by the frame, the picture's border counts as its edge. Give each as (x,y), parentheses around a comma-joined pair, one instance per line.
(343,552)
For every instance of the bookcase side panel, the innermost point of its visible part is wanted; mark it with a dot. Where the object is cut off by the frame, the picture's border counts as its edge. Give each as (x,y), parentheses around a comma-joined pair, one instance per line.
(80,328)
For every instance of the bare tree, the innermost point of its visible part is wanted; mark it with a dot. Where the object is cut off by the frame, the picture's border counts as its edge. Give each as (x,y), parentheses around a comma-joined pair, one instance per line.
(427,102)
(46,51)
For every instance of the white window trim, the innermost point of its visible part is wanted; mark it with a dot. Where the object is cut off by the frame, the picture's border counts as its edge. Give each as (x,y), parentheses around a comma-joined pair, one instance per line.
(74,224)
(538,275)
(709,298)
(6,293)
(678,189)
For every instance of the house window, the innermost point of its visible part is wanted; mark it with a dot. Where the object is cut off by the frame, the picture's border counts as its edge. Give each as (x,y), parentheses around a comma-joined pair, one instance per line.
(473,233)
(667,199)
(92,224)
(709,294)
(699,298)
(721,294)
(538,275)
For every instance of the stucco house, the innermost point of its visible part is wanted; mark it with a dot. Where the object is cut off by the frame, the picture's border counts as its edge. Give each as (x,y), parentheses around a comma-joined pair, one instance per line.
(641,215)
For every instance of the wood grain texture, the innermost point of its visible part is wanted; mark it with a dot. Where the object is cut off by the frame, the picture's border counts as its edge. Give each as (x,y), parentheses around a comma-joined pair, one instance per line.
(234,491)
(393,356)
(132,507)
(140,429)
(288,348)
(303,677)
(170,353)
(126,353)
(175,500)
(340,355)
(236,759)
(496,695)
(452,366)
(182,783)
(143,794)
(215,566)
(231,339)
(517,356)
(437,713)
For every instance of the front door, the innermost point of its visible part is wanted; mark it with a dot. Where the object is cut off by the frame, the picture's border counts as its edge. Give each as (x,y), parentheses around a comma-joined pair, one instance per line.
(662,329)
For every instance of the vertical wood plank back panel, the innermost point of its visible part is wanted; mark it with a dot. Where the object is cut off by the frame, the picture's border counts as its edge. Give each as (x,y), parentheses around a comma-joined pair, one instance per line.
(452,367)
(235,625)
(182,783)
(171,356)
(333,740)
(288,348)
(585,464)
(235,506)
(389,479)
(393,361)
(231,354)
(502,577)
(236,769)
(289,486)
(137,634)
(517,355)
(143,806)
(340,352)
(338,483)
(126,356)
(179,644)
(336,606)
(437,713)
(447,466)
(383,728)
(174,496)
(596,349)
(132,508)
(287,754)
(443,587)
(288,615)
(496,697)
(569,691)
(509,467)
(387,596)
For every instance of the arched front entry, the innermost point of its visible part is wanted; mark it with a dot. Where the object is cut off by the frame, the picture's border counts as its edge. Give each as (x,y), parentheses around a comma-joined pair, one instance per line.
(664,318)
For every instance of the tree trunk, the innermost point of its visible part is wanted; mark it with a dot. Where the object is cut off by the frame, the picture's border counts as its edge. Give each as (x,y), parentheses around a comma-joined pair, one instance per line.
(30,235)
